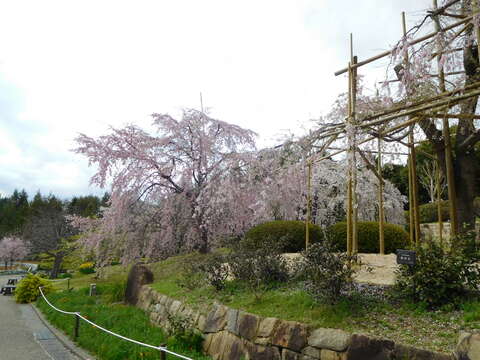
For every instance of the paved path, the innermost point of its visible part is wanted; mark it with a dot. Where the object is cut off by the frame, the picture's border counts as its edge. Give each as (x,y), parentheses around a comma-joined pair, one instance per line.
(23,336)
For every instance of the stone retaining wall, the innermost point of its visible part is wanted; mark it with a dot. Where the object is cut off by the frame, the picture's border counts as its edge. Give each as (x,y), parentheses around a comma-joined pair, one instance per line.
(233,335)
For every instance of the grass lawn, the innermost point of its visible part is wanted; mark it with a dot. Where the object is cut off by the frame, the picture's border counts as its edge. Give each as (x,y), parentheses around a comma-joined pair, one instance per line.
(125,320)
(404,323)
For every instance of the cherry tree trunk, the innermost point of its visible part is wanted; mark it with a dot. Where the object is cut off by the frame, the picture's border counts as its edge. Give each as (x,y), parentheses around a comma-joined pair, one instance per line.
(57,263)
(465,184)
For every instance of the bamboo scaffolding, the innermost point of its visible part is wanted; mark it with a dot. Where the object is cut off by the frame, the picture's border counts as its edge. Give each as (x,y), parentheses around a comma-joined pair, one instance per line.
(433,107)
(416,41)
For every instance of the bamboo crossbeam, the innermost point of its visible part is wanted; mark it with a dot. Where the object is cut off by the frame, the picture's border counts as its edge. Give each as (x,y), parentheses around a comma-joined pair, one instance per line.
(421,109)
(371,151)
(453,116)
(445,94)
(430,75)
(396,110)
(369,165)
(388,52)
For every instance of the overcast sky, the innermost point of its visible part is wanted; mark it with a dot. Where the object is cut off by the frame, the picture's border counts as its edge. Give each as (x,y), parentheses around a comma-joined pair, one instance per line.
(69,67)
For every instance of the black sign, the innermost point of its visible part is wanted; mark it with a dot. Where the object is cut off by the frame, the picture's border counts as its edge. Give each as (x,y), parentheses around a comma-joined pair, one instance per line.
(406,257)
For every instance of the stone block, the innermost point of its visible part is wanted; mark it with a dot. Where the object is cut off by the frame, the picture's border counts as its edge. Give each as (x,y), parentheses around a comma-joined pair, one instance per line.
(312,352)
(233,347)
(290,355)
(247,325)
(267,326)
(411,353)
(175,307)
(259,352)
(216,319)
(331,355)
(362,347)
(232,321)
(468,347)
(291,335)
(330,339)
(216,345)
(201,323)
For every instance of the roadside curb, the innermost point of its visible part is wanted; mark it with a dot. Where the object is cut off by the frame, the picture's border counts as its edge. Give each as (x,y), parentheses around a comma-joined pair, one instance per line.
(80,353)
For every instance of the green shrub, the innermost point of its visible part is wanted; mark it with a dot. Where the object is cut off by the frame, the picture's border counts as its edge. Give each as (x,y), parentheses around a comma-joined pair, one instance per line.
(328,274)
(27,289)
(368,237)
(440,276)
(292,233)
(259,269)
(65,276)
(211,268)
(182,332)
(428,212)
(87,268)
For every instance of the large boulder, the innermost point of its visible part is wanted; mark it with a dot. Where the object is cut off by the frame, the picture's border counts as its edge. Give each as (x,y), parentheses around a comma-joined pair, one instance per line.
(139,275)
(468,347)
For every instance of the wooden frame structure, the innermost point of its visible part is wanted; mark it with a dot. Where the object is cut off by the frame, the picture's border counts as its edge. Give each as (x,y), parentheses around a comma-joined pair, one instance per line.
(432,107)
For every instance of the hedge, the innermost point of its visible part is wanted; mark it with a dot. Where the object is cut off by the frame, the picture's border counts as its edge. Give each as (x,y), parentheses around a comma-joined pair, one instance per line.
(428,212)
(291,232)
(368,237)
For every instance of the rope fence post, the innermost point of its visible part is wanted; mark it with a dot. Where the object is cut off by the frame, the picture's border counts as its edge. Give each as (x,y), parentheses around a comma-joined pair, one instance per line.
(163,354)
(76,327)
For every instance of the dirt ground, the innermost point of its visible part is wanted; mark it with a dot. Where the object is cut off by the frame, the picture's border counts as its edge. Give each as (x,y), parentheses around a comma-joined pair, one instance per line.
(374,268)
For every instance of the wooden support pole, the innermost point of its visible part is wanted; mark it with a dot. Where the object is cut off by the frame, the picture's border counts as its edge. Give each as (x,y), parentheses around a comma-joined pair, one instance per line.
(381,215)
(349,171)
(476,7)
(439,202)
(416,208)
(354,168)
(309,202)
(437,169)
(411,221)
(452,194)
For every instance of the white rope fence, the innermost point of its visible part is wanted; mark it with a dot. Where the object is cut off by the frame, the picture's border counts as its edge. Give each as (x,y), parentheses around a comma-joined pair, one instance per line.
(79,316)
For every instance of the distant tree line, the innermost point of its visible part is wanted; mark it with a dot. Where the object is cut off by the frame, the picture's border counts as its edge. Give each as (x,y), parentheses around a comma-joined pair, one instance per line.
(42,222)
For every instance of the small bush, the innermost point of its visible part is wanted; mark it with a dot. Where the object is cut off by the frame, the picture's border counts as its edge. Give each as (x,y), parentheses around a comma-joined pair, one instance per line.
(368,237)
(65,276)
(291,232)
(327,273)
(182,333)
(214,268)
(113,293)
(261,268)
(429,214)
(27,289)
(87,268)
(440,276)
